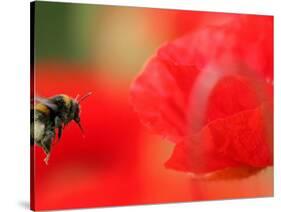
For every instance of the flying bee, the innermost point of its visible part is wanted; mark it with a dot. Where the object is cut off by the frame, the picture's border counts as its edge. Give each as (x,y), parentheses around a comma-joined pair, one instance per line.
(49,114)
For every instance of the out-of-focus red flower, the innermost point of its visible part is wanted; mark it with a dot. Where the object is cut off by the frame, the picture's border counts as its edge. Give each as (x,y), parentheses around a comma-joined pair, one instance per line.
(173,23)
(211,92)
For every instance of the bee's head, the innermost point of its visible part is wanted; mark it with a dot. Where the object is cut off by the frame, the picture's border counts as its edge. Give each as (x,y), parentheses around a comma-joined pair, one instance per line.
(76,108)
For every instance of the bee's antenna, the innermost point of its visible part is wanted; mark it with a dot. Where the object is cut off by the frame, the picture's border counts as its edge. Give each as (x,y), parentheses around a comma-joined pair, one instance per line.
(84,97)
(76,98)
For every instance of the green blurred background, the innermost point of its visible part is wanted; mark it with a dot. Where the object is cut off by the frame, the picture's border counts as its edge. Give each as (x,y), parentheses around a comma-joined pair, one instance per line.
(61,31)
(114,39)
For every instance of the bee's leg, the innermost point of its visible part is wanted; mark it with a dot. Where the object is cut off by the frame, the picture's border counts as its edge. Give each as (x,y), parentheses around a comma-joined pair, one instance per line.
(59,133)
(47,158)
(59,125)
(47,143)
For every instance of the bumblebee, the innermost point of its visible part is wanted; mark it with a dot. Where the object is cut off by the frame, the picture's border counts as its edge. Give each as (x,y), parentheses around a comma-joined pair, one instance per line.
(49,115)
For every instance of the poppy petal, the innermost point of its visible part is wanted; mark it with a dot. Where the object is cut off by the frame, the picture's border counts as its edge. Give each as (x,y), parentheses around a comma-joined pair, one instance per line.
(239,140)
(159,99)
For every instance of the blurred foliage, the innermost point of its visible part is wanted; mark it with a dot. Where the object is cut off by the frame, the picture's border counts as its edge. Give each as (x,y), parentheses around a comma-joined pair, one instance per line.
(61,31)
(113,39)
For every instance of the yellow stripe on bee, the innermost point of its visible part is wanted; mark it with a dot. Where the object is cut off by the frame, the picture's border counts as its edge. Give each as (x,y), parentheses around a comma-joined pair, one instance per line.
(66,99)
(42,108)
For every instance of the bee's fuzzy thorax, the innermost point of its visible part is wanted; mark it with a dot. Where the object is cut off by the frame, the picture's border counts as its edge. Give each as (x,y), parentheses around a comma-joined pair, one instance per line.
(66,99)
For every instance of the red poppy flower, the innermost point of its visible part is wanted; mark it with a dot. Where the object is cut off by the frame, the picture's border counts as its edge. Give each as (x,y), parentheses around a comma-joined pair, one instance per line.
(211,92)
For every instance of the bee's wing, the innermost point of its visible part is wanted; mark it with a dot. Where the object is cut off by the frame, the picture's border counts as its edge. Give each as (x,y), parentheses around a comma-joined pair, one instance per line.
(46,102)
